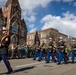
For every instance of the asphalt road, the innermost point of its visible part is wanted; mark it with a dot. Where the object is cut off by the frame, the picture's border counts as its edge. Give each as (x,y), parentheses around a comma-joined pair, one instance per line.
(30,67)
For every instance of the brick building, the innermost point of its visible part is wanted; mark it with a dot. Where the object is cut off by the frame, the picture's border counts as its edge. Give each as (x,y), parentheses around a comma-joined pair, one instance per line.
(46,34)
(11,13)
(1,22)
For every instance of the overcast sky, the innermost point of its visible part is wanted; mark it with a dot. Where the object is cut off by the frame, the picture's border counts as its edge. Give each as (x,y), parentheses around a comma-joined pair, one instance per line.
(43,14)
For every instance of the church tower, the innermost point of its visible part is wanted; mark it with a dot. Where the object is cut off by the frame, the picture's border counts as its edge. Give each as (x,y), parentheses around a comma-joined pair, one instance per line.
(17,28)
(12,11)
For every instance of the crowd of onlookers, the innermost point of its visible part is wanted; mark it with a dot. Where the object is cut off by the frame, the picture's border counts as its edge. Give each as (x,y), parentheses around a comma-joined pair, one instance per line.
(17,51)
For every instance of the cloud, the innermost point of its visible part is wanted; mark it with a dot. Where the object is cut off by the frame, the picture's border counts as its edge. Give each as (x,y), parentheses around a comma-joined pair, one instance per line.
(63,0)
(33,30)
(31,26)
(2,2)
(31,19)
(74,3)
(65,24)
(68,0)
(29,7)
(28,10)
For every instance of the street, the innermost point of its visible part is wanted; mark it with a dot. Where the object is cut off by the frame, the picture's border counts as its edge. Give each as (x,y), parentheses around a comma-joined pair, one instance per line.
(30,67)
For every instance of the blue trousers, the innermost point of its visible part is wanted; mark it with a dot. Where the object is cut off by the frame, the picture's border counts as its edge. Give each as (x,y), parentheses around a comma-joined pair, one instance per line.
(48,56)
(6,62)
(40,56)
(73,57)
(53,56)
(60,57)
(36,54)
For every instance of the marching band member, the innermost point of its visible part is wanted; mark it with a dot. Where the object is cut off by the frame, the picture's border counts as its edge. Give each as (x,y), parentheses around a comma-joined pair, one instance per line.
(5,41)
(37,50)
(54,53)
(50,50)
(73,51)
(61,45)
(42,51)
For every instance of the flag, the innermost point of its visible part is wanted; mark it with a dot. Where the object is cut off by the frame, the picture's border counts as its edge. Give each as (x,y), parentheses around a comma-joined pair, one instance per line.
(36,38)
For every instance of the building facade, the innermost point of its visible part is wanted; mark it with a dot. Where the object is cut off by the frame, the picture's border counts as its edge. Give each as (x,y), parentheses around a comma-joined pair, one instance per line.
(16,26)
(1,22)
(44,35)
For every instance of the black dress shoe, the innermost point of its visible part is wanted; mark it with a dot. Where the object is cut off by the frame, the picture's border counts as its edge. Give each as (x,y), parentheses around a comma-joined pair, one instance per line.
(34,59)
(66,63)
(0,60)
(72,62)
(47,62)
(55,61)
(58,63)
(39,60)
(9,72)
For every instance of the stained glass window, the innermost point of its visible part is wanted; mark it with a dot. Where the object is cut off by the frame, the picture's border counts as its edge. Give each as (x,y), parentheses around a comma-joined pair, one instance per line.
(15,28)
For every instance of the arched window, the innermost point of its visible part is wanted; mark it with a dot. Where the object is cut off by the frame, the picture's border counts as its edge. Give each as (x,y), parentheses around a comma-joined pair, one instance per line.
(22,32)
(0,23)
(15,28)
(14,39)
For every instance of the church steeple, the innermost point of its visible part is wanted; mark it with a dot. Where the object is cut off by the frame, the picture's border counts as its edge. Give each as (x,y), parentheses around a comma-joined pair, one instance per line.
(14,7)
(8,2)
(12,2)
(12,11)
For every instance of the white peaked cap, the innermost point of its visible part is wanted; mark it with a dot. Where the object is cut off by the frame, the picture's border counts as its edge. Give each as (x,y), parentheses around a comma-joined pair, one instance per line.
(73,40)
(61,37)
(4,28)
(50,38)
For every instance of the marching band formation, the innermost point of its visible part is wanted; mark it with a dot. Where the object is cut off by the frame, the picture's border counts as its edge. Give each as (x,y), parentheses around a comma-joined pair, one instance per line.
(55,52)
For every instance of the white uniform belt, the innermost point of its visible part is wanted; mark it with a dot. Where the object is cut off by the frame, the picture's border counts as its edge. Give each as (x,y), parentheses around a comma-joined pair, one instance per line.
(50,46)
(61,46)
(74,49)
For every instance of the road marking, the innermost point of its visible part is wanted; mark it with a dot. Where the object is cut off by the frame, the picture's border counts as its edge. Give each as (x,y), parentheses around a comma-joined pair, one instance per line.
(30,64)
